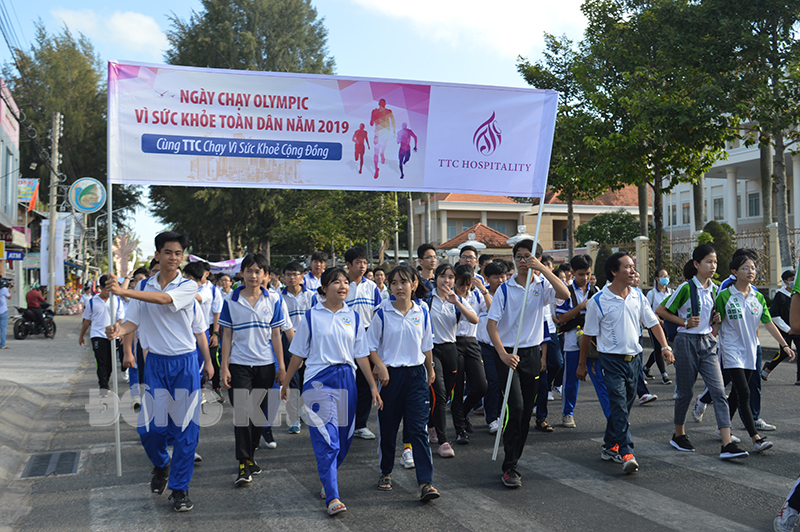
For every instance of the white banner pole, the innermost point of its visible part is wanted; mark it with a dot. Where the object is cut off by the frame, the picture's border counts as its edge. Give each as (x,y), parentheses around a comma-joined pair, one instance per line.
(500,430)
(113,313)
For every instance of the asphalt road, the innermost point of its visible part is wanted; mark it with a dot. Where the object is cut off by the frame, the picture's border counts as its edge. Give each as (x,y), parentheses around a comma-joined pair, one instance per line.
(566,486)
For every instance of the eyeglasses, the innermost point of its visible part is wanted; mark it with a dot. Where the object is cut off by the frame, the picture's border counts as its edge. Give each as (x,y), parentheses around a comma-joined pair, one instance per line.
(748,269)
(522,258)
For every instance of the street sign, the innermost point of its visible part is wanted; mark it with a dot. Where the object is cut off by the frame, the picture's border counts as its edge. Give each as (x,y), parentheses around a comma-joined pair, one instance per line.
(14,255)
(87,195)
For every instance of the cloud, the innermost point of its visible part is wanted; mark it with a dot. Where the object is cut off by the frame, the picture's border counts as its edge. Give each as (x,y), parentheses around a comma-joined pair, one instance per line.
(124,32)
(508,27)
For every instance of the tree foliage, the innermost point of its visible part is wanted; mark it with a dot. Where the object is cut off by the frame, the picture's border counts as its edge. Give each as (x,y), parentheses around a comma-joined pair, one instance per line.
(609,227)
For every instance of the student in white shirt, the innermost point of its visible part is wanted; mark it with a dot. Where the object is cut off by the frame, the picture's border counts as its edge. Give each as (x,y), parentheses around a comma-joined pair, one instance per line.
(614,319)
(402,337)
(502,328)
(252,356)
(171,328)
(97,316)
(660,292)
(379,277)
(319,260)
(495,275)
(330,341)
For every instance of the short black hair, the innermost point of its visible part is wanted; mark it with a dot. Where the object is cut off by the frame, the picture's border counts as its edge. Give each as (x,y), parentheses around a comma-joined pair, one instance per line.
(581,262)
(484,258)
(206,266)
(468,248)
(443,269)
(788,274)
(329,276)
(741,256)
(255,258)
(355,253)
(423,248)
(293,266)
(171,236)
(565,267)
(528,244)
(143,271)
(194,270)
(102,280)
(319,256)
(464,273)
(546,259)
(612,264)
(494,268)
(153,264)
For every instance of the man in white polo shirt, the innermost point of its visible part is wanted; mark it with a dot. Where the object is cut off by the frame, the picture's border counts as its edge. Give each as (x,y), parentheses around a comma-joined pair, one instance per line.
(96,314)
(252,355)
(613,319)
(171,328)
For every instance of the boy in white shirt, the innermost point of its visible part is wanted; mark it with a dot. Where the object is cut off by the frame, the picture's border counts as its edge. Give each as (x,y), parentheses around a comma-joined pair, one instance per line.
(96,314)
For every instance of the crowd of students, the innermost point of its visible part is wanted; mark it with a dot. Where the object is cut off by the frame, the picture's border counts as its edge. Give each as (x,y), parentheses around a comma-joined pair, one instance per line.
(416,342)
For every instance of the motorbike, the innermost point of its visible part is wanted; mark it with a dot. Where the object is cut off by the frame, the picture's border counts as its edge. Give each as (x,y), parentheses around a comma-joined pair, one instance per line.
(25,322)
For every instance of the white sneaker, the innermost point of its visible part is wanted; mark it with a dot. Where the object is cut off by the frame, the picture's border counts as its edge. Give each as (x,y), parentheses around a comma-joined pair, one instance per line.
(364,434)
(550,396)
(494,426)
(647,398)
(762,445)
(786,518)
(734,438)
(568,422)
(763,425)
(698,410)
(198,458)
(407,459)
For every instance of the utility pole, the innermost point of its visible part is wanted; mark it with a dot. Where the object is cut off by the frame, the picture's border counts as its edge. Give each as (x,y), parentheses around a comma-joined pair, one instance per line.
(58,122)
(410,226)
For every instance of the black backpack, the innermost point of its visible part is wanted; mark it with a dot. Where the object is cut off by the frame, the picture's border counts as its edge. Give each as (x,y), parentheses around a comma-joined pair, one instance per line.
(580,319)
(671,329)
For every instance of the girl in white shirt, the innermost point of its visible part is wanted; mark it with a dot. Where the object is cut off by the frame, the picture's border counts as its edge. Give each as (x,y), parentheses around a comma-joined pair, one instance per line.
(331,340)
(660,292)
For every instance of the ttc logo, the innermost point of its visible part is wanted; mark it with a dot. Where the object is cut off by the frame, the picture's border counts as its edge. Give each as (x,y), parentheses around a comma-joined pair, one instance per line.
(487,137)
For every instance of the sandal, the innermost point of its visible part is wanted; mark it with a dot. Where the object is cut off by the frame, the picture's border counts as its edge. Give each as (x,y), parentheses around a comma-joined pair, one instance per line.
(336,507)
(427,493)
(385,483)
(541,425)
(322,493)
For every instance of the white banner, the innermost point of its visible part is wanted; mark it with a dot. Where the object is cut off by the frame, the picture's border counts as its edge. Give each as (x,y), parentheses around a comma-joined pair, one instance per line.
(44,273)
(171,125)
(231,267)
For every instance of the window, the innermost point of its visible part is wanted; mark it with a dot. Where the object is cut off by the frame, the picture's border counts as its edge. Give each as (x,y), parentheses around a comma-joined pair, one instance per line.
(499,225)
(686,218)
(739,206)
(705,210)
(674,215)
(753,204)
(466,224)
(719,209)
(452,229)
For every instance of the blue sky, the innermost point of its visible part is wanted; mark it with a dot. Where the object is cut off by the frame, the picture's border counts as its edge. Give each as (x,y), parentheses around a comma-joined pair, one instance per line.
(456,41)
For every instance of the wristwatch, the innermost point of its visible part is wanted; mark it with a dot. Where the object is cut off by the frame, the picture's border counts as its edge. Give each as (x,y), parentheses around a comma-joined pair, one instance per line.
(686,323)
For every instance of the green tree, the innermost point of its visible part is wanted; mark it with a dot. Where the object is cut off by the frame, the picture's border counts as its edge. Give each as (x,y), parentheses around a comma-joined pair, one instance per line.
(723,244)
(63,74)
(609,227)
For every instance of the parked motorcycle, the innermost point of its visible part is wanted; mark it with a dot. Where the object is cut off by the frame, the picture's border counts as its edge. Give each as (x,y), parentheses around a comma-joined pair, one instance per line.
(25,322)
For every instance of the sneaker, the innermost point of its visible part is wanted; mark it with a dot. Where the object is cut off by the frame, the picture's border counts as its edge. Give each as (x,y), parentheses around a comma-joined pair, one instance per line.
(462,438)
(732,450)
(407,459)
(512,479)
(158,482)
(682,443)
(295,428)
(550,396)
(762,445)
(494,426)
(764,375)
(734,438)
(763,425)
(629,464)
(569,422)
(446,450)
(611,454)
(786,519)
(364,434)
(557,389)
(468,425)
(698,410)
(244,476)
(182,501)
(665,379)
(198,458)
(255,469)
(432,437)
(647,398)
(269,440)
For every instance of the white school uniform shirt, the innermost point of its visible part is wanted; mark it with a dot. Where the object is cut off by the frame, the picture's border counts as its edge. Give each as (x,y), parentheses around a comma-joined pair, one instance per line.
(401,341)
(680,304)
(364,298)
(548,316)
(216,302)
(168,329)
(617,322)
(477,303)
(98,311)
(287,323)
(85,300)
(738,333)
(482,334)
(207,298)
(298,305)
(655,297)
(444,319)
(324,338)
(571,336)
(384,292)
(251,343)
(311,282)
(506,306)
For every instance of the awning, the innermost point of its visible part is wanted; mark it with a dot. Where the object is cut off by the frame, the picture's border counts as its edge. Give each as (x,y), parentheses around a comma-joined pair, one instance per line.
(72,265)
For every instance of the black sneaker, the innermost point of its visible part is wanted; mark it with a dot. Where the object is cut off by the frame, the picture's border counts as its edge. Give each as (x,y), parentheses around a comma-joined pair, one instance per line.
(732,450)
(512,479)
(182,502)
(682,443)
(462,438)
(269,439)
(467,425)
(255,469)
(158,482)
(244,476)
(647,373)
